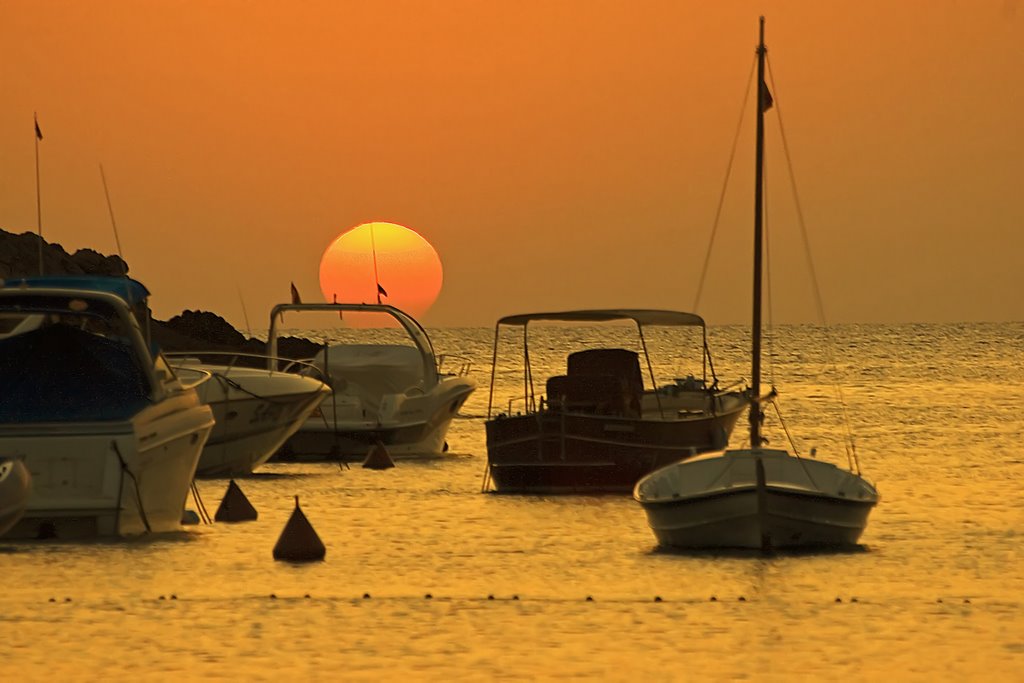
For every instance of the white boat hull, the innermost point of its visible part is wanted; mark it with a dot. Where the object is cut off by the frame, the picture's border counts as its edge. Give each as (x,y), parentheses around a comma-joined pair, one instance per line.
(408,426)
(110,478)
(717,502)
(15,488)
(255,412)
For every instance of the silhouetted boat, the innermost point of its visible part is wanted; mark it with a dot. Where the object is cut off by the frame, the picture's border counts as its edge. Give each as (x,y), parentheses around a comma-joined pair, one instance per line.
(108,431)
(757,497)
(392,394)
(598,429)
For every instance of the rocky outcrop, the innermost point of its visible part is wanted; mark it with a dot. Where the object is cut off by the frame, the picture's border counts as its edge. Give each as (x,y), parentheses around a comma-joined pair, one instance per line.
(19,256)
(190,331)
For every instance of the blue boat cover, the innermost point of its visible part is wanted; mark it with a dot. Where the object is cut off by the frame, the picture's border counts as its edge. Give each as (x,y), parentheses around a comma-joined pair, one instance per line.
(60,373)
(128,289)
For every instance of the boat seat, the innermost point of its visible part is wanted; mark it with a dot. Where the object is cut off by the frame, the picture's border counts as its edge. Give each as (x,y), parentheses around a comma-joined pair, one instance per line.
(596,394)
(611,377)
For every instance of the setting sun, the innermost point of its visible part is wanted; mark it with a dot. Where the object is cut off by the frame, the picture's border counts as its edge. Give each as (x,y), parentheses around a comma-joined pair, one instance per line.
(392,257)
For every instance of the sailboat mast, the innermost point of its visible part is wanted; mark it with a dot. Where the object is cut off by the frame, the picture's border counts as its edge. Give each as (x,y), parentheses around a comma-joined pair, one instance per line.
(755,327)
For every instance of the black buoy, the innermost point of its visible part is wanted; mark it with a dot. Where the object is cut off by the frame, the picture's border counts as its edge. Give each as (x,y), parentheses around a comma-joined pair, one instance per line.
(235,507)
(298,541)
(378,458)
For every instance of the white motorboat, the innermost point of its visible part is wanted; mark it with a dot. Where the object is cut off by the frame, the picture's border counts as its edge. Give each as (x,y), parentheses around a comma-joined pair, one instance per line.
(757,497)
(256,409)
(110,434)
(761,498)
(381,393)
(15,488)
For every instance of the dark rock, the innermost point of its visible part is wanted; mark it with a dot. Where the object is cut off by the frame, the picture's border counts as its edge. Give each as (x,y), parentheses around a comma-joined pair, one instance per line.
(207,327)
(95,263)
(190,331)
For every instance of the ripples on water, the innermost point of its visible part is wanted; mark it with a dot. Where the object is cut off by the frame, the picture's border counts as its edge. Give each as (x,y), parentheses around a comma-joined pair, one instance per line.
(936,592)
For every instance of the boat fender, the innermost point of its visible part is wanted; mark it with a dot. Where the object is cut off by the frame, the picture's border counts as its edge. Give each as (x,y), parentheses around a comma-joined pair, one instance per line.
(298,541)
(189,517)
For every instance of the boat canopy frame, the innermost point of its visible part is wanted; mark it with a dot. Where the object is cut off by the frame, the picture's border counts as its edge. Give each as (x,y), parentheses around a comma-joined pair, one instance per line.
(639,316)
(412,327)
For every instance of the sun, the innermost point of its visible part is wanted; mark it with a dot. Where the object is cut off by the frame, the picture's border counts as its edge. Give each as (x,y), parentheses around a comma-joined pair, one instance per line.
(397,259)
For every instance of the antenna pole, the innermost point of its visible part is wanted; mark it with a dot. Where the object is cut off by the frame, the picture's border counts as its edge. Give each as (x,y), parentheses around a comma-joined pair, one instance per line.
(113,223)
(39,203)
(373,248)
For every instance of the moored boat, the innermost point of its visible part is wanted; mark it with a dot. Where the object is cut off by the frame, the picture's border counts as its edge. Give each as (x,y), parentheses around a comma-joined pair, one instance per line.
(110,434)
(757,498)
(256,409)
(381,393)
(597,429)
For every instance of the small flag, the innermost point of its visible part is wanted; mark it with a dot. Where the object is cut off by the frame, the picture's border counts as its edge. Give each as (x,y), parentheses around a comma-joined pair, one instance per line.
(295,295)
(39,133)
(766,97)
(381,290)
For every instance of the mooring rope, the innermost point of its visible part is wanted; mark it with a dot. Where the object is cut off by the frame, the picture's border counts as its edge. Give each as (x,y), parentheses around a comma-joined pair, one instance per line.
(227,381)
(201,507)
(135,482)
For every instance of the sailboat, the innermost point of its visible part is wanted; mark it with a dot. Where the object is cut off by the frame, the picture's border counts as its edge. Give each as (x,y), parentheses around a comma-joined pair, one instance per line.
(758,497)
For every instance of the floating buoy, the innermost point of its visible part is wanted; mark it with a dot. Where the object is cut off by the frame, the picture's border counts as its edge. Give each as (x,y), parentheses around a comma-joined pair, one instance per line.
(298,541)
(378,458)
(235,507)
(190,517)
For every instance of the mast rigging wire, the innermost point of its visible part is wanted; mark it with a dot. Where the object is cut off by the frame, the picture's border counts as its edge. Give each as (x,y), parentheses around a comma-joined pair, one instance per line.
(851,449)
(725,185)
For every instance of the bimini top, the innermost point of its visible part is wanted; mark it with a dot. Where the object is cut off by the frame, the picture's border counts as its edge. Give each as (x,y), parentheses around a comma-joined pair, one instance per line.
(132,291)
(641,316)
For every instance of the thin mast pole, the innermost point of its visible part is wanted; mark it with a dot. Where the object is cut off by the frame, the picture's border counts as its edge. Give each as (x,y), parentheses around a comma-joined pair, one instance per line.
(373,248)
(113,223)
(755,326)
(39,203)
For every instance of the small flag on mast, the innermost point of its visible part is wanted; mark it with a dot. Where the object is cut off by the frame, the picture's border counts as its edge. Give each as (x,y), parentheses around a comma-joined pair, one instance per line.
(381,290)
(766,97)
(39,133)
(295,295)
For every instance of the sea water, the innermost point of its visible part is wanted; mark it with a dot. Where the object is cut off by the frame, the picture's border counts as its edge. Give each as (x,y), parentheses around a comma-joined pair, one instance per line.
(428,578)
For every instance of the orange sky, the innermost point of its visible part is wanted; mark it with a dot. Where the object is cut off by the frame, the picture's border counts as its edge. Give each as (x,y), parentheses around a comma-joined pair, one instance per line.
(556,154)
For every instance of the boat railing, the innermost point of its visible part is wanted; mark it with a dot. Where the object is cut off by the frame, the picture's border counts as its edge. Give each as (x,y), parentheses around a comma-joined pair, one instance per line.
(730,388)
(231,359)
(191,378)
(517,399)
(464,365)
